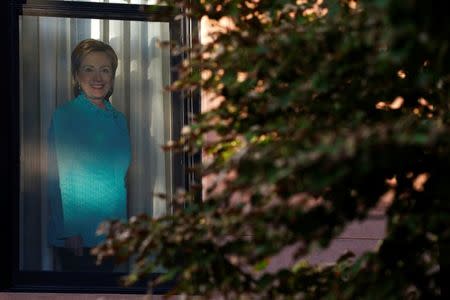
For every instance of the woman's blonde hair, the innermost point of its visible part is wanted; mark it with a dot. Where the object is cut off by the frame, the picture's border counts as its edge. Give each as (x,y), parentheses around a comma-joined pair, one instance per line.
(79,53)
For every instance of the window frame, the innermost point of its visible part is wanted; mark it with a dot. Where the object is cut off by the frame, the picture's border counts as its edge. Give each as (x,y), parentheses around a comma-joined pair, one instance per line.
(184,105)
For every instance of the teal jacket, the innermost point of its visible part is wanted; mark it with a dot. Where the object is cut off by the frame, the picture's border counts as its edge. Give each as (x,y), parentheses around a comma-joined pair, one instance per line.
(88,159)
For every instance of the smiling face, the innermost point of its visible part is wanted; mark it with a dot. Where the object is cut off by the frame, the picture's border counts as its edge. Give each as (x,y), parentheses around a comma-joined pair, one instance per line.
(95,75)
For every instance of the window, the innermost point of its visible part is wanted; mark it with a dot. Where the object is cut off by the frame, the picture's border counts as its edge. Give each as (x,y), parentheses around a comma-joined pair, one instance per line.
(43,35)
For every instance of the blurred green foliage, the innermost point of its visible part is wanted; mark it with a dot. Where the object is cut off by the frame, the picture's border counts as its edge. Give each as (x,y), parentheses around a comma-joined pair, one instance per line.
(326,108)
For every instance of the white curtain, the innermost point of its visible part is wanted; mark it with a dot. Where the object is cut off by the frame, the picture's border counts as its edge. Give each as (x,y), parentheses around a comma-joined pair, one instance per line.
(143,72)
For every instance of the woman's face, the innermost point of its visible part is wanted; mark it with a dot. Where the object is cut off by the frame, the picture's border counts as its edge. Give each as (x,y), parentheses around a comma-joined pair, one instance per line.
(95,75)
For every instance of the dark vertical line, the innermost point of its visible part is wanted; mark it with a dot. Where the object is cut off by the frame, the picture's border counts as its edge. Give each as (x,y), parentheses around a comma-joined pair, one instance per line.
(38,198)
(5,129)
(15,110)
(178,107)
(196,105)
(185,104)
(13,126)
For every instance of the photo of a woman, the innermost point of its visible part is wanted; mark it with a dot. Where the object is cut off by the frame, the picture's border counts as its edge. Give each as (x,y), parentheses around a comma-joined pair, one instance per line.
(89,157)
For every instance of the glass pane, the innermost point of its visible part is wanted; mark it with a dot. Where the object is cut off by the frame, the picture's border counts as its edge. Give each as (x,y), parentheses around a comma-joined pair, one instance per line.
(84,159)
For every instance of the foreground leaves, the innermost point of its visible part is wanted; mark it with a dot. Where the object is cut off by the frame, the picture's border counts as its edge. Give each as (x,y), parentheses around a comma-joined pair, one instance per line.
(325,111)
